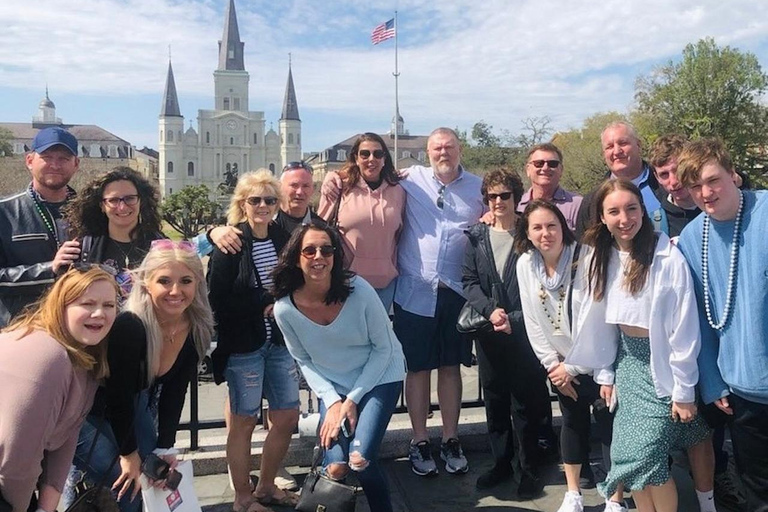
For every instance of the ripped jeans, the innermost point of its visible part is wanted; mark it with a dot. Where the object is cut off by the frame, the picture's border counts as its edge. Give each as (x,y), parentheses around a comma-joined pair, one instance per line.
(373,414)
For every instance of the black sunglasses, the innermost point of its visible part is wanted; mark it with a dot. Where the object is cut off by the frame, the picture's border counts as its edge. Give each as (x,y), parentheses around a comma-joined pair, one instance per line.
(540,163)
(256,200)
(310,251)
(504,196)
(291,166)
(377,153)
(440,201)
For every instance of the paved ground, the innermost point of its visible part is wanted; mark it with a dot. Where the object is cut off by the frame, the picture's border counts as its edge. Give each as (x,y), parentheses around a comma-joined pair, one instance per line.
(448,493)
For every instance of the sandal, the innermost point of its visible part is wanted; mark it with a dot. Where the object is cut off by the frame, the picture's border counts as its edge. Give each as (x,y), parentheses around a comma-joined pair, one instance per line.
(289,499)
(248,507)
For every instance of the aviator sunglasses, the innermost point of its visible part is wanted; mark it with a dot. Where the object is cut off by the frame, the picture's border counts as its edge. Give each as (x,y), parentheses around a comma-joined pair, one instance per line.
(256,200)
(377,153)
(310,251)
(540,163)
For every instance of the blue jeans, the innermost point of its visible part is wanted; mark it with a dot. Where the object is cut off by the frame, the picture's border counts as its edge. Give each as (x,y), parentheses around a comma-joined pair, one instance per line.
(387,294)
(106,450)
(373,414)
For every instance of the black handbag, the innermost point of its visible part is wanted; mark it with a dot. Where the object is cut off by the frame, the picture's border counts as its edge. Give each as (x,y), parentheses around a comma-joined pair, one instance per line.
(470,321)
(321,494)
(99,497)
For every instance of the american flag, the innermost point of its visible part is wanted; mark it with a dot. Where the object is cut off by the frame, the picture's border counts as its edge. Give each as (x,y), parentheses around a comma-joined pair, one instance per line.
(383,32)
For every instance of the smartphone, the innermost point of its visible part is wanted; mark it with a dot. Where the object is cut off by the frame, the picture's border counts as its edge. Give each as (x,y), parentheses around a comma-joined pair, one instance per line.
(173,480)
(346,428)
(155,468)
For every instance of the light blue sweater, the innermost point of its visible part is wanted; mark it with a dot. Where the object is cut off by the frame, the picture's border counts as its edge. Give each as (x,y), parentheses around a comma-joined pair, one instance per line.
(350,356)
(736,358)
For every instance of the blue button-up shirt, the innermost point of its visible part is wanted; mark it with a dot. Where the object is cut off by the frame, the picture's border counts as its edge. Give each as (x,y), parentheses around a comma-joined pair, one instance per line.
(432,243)
(650,200)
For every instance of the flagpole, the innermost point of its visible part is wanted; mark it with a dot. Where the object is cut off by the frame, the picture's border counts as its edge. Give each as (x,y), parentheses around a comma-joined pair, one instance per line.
(397,101)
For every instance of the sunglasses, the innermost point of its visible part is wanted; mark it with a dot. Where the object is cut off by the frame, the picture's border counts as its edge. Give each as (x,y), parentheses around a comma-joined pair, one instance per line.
(291,166)
(256,200)
(504,196)
(82,266)
(440,199)
(540,163)
(166,244)
(114,202)
(366,153)
(310,251)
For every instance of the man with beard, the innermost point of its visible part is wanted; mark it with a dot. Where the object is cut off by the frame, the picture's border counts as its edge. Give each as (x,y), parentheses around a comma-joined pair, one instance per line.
(621,151)
(442,201)
(33,246)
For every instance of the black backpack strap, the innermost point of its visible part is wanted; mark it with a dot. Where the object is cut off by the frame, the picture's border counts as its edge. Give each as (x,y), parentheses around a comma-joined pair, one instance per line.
(574,266)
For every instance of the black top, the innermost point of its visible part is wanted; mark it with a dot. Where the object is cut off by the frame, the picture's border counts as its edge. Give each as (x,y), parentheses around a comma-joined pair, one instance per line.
(478,276)
(677,217)
(289,224)
(127,355)
(238,300)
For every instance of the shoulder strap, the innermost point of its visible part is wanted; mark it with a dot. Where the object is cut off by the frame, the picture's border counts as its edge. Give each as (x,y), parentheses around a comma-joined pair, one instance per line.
(333,218)
(574,266)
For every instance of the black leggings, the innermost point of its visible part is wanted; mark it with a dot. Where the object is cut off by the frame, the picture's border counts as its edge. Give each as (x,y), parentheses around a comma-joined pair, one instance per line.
(574,436)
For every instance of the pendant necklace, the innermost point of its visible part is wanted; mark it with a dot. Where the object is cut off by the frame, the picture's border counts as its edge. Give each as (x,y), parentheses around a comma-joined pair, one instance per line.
(556,322)
(126,254)
(732,268)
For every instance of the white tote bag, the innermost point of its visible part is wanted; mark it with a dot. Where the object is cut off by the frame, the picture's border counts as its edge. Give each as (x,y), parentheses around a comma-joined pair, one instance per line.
(182,499)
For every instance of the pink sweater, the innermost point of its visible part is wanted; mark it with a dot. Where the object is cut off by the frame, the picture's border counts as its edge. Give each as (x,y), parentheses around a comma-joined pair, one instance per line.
(43,402)
(370,221)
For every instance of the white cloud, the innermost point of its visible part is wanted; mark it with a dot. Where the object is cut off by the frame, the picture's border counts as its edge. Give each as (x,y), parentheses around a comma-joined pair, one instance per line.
(460,60)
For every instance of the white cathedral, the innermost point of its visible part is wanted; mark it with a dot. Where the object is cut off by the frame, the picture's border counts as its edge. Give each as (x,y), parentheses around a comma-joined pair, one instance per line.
(231,138)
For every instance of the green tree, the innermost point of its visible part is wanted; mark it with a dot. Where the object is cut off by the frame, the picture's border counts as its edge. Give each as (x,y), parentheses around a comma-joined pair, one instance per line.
(190,210)
(6,136)
(583,164)
(711,91)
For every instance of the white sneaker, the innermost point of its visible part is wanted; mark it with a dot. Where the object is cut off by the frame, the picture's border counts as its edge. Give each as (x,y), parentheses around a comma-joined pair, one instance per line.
(612,506)
(285,481)
(572,502)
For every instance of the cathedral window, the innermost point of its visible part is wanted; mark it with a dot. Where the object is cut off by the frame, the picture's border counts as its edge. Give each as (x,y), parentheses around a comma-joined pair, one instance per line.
(298,139)
(207,137)
(231,141)
(170,167)
(236,103)
(190,169)
(255,139)
(161,135)
(226,103)
(290,138)
(170,135)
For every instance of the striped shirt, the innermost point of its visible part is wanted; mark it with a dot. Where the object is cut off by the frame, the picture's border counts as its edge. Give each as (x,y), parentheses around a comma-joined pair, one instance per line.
(264,258)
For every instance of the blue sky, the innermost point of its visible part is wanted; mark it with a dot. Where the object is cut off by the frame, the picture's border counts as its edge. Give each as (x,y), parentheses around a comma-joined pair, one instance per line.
(461,61)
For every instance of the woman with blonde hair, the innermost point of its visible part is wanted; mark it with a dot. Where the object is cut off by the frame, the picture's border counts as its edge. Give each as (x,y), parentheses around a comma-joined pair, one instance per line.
(250,354)
(157,341)
(51,358)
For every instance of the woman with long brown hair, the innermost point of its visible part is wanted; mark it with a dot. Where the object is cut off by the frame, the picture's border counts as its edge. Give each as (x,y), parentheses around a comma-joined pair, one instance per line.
(51,359)
(636,280)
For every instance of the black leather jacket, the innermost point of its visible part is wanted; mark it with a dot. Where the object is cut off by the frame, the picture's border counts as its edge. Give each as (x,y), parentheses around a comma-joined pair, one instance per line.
(27,250)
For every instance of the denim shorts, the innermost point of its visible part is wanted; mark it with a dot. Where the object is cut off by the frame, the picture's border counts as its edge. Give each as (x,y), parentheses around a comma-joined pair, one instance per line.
(270,371)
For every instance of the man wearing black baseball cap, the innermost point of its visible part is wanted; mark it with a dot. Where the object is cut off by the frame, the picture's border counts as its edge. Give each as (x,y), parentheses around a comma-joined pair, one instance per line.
(33,244)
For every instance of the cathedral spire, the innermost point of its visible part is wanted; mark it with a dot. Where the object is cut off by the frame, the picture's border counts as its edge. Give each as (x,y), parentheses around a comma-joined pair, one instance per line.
(170,107)
(230,46)
(290,106)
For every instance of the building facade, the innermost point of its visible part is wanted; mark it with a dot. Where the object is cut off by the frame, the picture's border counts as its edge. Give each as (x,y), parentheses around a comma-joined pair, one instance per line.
(231,138)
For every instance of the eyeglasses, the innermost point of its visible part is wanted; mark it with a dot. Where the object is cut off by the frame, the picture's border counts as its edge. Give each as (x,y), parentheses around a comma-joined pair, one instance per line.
(81,266)
(114,202)
(166,244)
(440,201)
(540,163)
(366,153)
(256,200)
(291,166)
(310,251)
(504,196)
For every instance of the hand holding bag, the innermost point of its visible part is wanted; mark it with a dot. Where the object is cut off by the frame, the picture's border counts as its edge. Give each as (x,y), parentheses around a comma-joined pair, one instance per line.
(183,499)
(321,494)
(470,321)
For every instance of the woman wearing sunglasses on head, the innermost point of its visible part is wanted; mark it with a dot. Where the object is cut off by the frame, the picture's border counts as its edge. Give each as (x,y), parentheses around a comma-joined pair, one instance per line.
(250,354)
(154,348)
(370,212)
(51,358)
(337,329)
(113,221)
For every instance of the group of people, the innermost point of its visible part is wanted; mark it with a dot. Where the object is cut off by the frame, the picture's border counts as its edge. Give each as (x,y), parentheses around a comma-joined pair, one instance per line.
(620,299)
